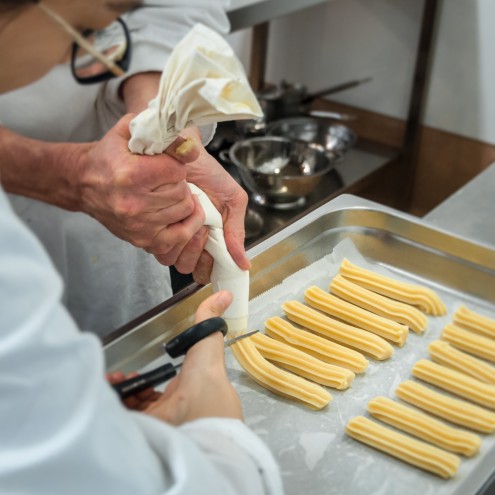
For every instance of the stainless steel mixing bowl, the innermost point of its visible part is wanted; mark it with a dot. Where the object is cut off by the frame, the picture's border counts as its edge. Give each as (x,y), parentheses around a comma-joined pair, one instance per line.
(280,172)
(333,137)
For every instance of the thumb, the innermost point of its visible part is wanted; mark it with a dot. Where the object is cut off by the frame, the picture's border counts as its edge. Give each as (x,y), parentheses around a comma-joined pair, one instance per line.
(214,305)
(184,150)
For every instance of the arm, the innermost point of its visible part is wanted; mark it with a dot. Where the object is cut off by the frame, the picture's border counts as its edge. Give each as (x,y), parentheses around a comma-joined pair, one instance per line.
(63,429)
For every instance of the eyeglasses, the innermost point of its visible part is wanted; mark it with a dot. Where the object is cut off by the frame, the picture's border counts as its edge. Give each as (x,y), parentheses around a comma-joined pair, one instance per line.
(96,55)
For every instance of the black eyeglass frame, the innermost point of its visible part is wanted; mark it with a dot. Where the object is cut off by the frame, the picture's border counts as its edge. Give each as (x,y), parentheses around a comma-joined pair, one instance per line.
(123,63)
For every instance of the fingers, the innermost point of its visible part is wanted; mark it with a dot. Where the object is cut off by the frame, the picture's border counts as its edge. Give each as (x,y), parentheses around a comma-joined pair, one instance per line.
(170,242)
(190,255)
(214,305)
(184,150)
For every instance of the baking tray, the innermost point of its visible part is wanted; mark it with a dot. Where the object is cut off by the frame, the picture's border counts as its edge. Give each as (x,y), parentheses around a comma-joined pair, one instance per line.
(314,453)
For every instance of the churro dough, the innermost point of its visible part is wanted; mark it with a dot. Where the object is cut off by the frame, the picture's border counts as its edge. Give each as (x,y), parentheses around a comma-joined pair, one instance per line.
(475,322)
(317,346)
(356,338)
(354,315)
(403,447)
(423,426)
(443,353)
(378,304)
(277,380)
(459,412)
(455,382)
(302,364)
(422,297)
(473,343)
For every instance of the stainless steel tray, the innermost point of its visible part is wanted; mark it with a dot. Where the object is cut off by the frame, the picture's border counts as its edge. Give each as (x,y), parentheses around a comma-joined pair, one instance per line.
(457,267)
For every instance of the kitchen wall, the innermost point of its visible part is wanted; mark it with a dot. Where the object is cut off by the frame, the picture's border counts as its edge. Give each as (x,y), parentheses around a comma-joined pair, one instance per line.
(347,39)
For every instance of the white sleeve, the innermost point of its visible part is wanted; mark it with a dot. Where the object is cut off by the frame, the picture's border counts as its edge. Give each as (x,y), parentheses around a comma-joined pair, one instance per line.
(157,26)
(63,429)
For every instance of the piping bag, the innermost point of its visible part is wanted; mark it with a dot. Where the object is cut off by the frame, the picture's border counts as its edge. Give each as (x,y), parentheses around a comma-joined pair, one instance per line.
(203,83)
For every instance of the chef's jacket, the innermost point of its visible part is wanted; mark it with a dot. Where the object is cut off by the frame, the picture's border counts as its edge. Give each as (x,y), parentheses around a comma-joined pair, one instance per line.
(64,431)
(108,282)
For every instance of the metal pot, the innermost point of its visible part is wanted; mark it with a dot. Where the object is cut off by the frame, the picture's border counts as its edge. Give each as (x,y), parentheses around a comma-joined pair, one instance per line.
(280,172)
(335,138)
(293,100)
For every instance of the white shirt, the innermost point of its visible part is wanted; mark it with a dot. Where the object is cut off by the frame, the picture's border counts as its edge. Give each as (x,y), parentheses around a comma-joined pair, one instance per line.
(63,430)
(108,282)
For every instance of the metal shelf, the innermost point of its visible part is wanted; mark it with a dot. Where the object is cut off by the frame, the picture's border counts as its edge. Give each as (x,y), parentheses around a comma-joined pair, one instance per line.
(246,13)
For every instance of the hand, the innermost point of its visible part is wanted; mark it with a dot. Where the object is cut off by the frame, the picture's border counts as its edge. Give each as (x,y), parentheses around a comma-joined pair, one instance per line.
(230,199)
(202,388)
(144,200)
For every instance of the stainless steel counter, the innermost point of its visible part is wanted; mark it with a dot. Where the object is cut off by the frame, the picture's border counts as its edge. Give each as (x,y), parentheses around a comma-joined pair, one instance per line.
(470,211)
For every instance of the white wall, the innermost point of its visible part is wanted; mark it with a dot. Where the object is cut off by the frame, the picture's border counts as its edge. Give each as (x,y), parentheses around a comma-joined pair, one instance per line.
(347,39)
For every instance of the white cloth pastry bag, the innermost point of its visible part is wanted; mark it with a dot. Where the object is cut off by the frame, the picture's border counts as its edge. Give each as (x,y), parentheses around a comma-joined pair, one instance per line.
(203,83)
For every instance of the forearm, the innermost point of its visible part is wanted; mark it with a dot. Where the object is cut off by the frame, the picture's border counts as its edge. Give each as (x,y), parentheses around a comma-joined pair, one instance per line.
(139,89)
(39,170)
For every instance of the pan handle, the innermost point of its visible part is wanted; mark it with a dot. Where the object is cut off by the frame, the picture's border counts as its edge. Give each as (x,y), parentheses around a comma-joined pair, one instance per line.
(322,114)
(334,89)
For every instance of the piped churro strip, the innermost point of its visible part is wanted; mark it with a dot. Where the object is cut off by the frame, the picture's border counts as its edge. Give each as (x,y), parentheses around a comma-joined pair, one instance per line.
(356,338)
(302,364)
(457,411)
(423,426)
(277,380)
(422,297)
(403,447)
(465,340)
(378,304)
(474,322)
(354,315)
(455,382)
(317,346)
(443,353)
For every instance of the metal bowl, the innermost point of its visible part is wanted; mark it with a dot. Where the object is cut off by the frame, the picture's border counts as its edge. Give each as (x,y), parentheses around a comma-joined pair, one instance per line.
(333,137)
(280,172)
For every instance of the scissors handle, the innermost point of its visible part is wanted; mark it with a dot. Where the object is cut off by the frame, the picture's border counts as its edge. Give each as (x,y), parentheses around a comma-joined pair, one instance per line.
(179,345)
(139,383)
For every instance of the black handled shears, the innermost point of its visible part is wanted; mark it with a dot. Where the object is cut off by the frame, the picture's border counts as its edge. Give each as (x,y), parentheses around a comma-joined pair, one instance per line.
(177,347)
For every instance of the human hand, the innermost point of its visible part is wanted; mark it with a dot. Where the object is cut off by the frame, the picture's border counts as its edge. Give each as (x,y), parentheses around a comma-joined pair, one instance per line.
(202,388)
(144,200)
(230,200)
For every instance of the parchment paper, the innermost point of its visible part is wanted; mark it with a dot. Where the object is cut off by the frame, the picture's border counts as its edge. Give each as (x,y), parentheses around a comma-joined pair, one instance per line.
(315,455)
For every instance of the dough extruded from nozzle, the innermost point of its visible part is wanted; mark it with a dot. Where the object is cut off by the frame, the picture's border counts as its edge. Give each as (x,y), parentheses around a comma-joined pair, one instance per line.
(403,447)
(424,426)
(422,297)
(378,304)
(457,411)
(302,364)
(354,315)
(470,342)
(317,346)
(342,333)
(470,320)
(443,353)
(279,381)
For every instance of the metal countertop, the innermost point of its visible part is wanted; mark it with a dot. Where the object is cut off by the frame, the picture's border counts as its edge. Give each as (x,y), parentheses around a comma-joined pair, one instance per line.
(470,211)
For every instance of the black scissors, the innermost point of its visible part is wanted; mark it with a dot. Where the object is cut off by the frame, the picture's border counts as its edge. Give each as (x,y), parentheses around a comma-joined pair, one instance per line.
(178,346)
